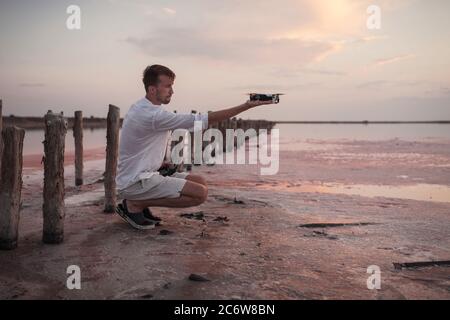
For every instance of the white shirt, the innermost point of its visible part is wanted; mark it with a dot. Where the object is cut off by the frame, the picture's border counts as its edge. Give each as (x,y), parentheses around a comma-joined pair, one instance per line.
(143,139)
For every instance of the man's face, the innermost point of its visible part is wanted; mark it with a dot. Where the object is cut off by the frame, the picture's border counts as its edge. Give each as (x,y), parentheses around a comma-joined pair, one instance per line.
(164,89)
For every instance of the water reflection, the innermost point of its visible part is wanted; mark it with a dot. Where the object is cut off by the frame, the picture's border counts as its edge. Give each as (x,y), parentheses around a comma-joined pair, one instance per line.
(421,192)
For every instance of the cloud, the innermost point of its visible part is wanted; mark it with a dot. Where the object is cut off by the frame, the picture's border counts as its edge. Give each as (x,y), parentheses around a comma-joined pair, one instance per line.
(366,39)
(290,32)
(170,11)
(194,43)
(32,85)
(382,62)
(296,72)
(384,83)
(270,88)
(373,84)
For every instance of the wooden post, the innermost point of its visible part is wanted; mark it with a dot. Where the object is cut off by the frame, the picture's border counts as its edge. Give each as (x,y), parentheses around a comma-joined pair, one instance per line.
(239,123)
(1,137)
(112,150)
(11,187)
(238,126)
(168,150)
(172,143)
(234,127)
(78,136)
(53,208)
(194,147)
(205,143)
(189,166)
(227,125)
(246,125)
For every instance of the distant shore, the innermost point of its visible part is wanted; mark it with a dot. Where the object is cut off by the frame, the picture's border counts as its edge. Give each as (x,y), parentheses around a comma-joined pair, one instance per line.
(37,123)
(365,122)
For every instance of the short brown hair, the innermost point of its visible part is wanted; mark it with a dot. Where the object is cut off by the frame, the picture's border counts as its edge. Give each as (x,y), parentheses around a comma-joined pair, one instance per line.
(152,73)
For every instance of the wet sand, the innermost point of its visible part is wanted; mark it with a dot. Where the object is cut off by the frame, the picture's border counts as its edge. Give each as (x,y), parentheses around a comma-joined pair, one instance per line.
(260,250)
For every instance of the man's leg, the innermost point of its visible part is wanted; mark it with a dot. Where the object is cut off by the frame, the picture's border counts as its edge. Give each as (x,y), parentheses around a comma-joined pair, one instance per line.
(192,194)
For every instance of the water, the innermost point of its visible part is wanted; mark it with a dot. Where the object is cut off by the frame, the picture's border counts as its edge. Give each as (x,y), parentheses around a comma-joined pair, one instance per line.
(298,137)
(92,138)
(420,191)
(370,132)
(294,135)
(302,136)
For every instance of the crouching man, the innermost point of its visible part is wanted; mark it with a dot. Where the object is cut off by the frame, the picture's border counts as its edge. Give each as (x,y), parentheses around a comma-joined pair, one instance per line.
(143,140)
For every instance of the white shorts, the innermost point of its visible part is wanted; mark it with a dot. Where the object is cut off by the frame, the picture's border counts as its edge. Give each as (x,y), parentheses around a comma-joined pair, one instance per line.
(155,187)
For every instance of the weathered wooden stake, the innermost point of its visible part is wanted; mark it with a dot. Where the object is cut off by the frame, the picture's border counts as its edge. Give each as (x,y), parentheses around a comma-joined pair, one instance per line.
(112,150)
(172,143)
(189,166)
(53,208)
(78,136)
(11,187)
(1,137)
(234,127)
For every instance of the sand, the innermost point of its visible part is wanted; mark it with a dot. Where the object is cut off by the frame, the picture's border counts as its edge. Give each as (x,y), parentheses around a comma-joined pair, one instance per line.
(259,251)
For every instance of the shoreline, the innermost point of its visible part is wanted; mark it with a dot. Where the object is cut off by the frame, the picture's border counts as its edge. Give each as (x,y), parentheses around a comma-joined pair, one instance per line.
(33,161)
(37,123)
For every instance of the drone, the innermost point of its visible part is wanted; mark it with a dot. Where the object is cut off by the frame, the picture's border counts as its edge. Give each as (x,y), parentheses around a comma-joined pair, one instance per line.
(275,97)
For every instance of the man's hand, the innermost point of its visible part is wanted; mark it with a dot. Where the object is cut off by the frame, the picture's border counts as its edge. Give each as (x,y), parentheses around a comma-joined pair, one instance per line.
(231,112)
(256,103)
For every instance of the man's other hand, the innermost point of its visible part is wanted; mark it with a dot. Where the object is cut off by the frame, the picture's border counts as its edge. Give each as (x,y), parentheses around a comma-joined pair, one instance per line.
(165,165)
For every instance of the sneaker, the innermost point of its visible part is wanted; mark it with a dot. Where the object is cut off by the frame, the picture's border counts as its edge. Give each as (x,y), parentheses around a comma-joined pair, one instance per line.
(136,220)
(149,215)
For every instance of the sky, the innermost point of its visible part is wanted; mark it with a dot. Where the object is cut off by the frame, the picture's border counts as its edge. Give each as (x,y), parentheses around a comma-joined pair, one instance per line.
(320,53)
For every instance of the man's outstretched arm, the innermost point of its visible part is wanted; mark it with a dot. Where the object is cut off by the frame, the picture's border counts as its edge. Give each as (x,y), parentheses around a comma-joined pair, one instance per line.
(224,114)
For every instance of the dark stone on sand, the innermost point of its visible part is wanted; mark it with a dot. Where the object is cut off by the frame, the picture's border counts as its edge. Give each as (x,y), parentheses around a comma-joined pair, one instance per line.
(195,215)
(224,218)
(198,278)
(147,296)
(333,225)
(421,264)
(203,234)
(322,234)
(165,232)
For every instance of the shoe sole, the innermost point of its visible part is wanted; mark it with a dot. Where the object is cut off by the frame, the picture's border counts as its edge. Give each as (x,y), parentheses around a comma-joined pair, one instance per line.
(131,222)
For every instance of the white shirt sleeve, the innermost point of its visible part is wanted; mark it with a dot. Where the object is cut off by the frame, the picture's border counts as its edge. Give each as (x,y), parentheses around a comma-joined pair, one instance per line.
(165,120)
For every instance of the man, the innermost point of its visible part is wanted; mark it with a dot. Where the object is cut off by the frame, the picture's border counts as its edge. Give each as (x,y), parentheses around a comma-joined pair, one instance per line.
(144,136)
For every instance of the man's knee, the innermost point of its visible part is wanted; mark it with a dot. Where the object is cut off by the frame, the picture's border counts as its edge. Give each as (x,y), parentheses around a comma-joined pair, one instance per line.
(202,195)
(196,191)
(197,179)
